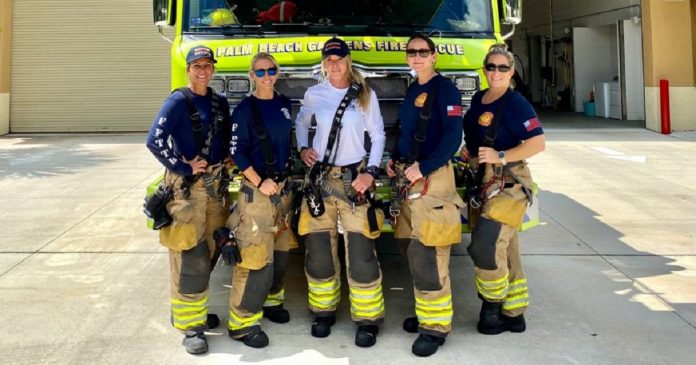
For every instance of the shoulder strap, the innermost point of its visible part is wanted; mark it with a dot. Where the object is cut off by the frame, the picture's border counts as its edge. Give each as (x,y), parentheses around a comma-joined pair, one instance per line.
(262,134)
(194,117)
(422,126)
(334,135)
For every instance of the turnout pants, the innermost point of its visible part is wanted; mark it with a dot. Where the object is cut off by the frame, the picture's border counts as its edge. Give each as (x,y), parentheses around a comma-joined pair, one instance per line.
(264,239)
(322,265)
(495,247)
(427,227)
(191,247)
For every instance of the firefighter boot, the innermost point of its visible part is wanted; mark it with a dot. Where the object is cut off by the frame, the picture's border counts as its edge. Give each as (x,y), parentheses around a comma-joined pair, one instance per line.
(256,338)
(490,322)
(514,324)
(322,326)
(411,324)
(276,314)
(213,321)
(426,345)
(195,342)
(366,336)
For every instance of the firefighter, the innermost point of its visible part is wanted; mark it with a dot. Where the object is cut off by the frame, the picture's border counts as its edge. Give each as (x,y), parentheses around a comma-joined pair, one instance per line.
(190,137)
(501,130)
(338,191)
(425,204)
(261,126)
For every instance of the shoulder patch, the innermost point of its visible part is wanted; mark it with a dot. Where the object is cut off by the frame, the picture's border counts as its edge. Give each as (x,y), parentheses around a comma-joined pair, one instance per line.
(454,110)
(532,124)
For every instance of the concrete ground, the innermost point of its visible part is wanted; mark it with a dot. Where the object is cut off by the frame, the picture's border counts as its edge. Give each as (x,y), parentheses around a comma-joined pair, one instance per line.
(611,268)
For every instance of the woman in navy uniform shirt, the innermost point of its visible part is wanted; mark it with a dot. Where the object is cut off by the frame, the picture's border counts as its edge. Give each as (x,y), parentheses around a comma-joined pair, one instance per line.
(260,220)
(428,222)
(502,143)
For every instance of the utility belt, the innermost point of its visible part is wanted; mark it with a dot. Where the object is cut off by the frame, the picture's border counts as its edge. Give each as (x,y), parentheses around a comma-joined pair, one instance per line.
(318,185)
(401,187)
(282,180)
(207,180)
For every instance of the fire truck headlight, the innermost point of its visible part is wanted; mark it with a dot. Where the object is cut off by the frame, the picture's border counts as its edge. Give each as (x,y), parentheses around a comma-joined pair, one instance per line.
(466,83)
(218,85)
(237,86)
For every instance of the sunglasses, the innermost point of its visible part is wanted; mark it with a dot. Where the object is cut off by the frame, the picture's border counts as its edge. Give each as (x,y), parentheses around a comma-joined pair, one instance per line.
(501,68)
(423,53)
(261,72)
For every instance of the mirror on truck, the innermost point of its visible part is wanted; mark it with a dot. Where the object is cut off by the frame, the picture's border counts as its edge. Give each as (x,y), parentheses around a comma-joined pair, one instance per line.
(163,12)
(511,11)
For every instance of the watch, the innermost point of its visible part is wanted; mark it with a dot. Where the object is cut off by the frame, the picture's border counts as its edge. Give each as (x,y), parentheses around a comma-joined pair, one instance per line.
(373,170)
(501,156)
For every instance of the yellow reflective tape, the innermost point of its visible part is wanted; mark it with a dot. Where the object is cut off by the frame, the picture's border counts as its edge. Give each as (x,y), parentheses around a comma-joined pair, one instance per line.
(367,305)
(518,282)
(187,325)
(322,305)
(180,317)
(493,283)
(360,293)
(435,302)
(235,322)
(366,300)
(330,285)
(518,302)
(367,313)
(200,303)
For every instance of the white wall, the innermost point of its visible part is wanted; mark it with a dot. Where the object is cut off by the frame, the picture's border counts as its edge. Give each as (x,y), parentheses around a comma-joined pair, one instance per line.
(633,63)
(595,59)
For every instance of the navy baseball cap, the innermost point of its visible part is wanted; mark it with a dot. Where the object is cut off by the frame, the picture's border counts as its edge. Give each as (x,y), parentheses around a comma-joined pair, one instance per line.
(199,52)
(335,46)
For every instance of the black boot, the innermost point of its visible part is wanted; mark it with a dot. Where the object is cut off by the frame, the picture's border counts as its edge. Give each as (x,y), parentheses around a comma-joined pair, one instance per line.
(514,324)
(490,322)
(411,324)
(322,326)
(195,342)
(256,338)
(213,320)
(366,336)
(426,345)
(276,314)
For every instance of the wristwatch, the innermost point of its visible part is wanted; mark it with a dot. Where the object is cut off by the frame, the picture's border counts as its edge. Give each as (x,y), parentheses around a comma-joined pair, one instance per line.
(501,156)
(373,170)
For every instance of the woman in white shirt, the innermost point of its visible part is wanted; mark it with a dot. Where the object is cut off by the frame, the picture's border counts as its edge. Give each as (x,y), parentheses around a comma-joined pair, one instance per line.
(341,181)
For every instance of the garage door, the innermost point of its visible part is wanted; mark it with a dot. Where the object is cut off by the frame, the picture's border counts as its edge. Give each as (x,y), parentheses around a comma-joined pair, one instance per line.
(86,66)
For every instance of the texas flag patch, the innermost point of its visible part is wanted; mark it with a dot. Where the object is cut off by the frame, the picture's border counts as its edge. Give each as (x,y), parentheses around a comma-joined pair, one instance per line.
(532,124)
(454,110)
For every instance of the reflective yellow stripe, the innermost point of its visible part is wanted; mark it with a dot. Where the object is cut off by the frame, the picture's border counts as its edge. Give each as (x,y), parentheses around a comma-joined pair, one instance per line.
(517,301)
(362,293)
(236,322)
(517,286)
(200,303)
(187,325)
(275,299)
(493,289)
(324,296)
(493,283)
(328,286)
(363,302)
(374,313)
(440,302)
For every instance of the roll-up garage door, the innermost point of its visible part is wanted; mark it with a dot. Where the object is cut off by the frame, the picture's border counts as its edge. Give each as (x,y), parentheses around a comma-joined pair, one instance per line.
(86,66)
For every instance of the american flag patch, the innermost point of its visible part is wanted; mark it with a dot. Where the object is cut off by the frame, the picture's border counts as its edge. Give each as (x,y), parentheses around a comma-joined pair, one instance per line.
(532,124)
(454,110)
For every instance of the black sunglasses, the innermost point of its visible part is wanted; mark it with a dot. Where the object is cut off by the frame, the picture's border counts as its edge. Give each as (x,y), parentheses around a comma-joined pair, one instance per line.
(271,72)
(423,53)
(501,68)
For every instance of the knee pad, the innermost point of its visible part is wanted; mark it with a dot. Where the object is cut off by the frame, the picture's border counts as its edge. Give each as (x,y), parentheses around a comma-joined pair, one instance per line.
(422,260)
(318,257)
(483,240)
(363,265)
(280,265)
(195,269)
(256,289)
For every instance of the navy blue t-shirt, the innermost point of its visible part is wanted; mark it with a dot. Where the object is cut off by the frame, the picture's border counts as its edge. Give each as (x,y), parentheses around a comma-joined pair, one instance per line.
(173,121)
(518,122)
(444,131)
(245,147)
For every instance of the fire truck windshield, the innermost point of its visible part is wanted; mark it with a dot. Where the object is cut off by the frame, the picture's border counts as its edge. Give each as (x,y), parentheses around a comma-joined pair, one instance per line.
(456,18)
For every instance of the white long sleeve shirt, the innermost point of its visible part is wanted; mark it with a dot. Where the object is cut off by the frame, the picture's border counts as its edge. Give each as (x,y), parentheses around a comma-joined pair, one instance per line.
(322,100)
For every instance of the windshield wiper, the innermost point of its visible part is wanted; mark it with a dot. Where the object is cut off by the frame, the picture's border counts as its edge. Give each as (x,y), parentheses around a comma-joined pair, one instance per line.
(231,29)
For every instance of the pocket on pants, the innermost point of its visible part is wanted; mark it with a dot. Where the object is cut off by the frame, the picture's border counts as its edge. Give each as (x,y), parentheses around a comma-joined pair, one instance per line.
(508,207)
(255,256)
(183,234)
(435,222)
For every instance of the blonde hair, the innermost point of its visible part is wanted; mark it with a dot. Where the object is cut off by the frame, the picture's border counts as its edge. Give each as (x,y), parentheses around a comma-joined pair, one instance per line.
(500,49)
(353,76)
(257,57)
